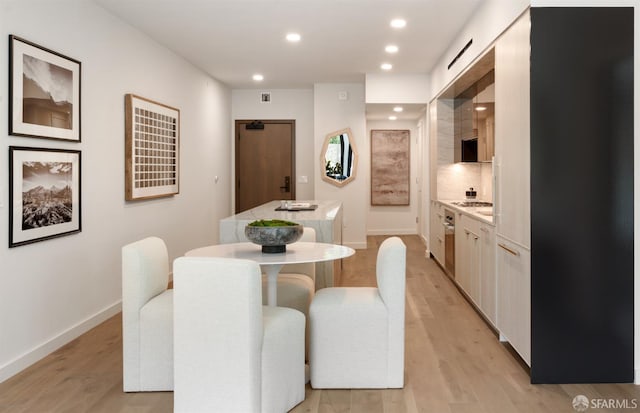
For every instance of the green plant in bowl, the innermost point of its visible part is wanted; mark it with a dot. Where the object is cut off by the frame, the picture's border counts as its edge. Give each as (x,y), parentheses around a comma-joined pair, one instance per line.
(273,234)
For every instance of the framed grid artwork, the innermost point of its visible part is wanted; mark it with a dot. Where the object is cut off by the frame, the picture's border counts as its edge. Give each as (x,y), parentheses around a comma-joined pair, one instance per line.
(44,90)
(44,194)
(152,149)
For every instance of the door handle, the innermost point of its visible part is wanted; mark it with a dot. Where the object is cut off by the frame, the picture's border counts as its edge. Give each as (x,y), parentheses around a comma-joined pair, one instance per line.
(287,184)
(509,250)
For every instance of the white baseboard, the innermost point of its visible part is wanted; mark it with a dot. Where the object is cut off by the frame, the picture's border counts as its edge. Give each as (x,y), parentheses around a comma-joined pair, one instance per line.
(27,359)
(392,232)
(356,245)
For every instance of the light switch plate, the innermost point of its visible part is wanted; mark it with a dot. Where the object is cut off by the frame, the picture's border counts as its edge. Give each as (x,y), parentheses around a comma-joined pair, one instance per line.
(303,179)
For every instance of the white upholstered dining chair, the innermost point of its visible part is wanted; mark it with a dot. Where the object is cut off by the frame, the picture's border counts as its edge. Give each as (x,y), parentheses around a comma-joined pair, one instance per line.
(231,353)
(147,317)
(296,285)
(357,333)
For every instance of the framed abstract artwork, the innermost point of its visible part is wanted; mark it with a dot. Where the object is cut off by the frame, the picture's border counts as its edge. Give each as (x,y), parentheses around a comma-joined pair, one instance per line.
(152,149)
(44,194)
(390,167)
(44,90)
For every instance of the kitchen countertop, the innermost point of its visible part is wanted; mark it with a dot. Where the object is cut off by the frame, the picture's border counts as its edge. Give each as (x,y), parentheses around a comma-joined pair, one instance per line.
(326,219)
(473,212)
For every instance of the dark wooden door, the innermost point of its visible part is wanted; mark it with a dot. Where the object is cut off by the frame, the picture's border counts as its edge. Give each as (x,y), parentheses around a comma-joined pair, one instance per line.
(265,159)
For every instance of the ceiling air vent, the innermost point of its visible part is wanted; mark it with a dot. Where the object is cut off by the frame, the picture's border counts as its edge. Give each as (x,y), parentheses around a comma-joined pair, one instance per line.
(460,53)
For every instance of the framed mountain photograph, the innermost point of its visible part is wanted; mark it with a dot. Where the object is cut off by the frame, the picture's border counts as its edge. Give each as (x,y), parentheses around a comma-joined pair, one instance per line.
(44,91)
(44,194)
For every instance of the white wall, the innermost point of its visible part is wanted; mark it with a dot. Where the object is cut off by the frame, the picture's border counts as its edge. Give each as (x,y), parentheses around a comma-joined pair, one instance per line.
(491,19)
(390,220)
(53,291)
(388,88)
(285,104)
(331,114)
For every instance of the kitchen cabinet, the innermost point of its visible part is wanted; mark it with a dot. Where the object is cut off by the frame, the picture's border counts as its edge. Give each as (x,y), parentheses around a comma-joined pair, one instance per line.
(512,133)
(513,318)
(488,285)
(512,189)
(486,134)
(468,256)
(436,232)
(475,263)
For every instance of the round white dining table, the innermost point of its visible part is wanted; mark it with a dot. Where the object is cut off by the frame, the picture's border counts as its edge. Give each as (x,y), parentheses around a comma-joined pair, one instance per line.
(296,253)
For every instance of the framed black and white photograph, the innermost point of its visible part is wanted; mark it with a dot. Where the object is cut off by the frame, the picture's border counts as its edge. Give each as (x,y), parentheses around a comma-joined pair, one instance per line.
(152,149)
(44,90)
(44,194)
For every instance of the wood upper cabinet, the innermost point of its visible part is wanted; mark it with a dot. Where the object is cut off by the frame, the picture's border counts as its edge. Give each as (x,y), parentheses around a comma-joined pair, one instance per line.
(512,133)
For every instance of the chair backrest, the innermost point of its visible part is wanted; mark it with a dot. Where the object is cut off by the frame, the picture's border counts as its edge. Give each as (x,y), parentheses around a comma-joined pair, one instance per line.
(145,274)
(391,276)
(391,272)
(309,235)
(217,334)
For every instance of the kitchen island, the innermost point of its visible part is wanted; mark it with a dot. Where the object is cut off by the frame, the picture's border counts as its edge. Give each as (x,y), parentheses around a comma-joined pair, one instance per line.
(326,219)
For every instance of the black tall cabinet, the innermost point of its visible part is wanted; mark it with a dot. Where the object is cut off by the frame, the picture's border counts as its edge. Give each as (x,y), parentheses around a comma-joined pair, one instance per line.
(582,118)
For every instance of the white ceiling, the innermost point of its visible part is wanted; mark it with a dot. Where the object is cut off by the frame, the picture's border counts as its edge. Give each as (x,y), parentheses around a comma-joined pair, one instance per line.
(341,39)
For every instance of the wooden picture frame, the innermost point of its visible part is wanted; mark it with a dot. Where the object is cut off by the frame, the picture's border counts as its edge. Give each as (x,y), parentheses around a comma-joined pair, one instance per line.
(390,167)
(152,149)
(44,194)
(44,92)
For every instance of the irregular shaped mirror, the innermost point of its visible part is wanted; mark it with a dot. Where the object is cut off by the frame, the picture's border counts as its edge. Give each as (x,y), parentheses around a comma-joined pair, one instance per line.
(338,159)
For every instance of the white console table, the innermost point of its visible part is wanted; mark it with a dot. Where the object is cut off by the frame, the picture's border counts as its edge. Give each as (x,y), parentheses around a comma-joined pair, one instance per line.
(326,220)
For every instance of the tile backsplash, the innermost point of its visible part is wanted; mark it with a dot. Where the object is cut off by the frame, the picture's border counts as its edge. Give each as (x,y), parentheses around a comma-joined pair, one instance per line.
(455,179)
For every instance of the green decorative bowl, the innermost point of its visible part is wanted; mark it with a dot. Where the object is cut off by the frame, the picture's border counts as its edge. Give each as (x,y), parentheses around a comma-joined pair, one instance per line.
(273,235)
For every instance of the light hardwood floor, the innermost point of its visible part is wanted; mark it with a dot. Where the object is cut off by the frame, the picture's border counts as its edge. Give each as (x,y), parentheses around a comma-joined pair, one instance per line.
(454,363)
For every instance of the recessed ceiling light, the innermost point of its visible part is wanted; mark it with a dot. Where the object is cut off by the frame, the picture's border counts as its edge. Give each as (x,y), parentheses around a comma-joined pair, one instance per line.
(392,48)
(258,77)
(481,108)
(293,37)
(393,117)
(386,66)
(398,109)
(398,23)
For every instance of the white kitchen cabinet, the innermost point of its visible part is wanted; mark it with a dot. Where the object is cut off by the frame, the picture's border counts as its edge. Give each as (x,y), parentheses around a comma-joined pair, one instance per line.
(488,285)
(513,264)
(512,133)
(436,235)
(512,189)
(468,256)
